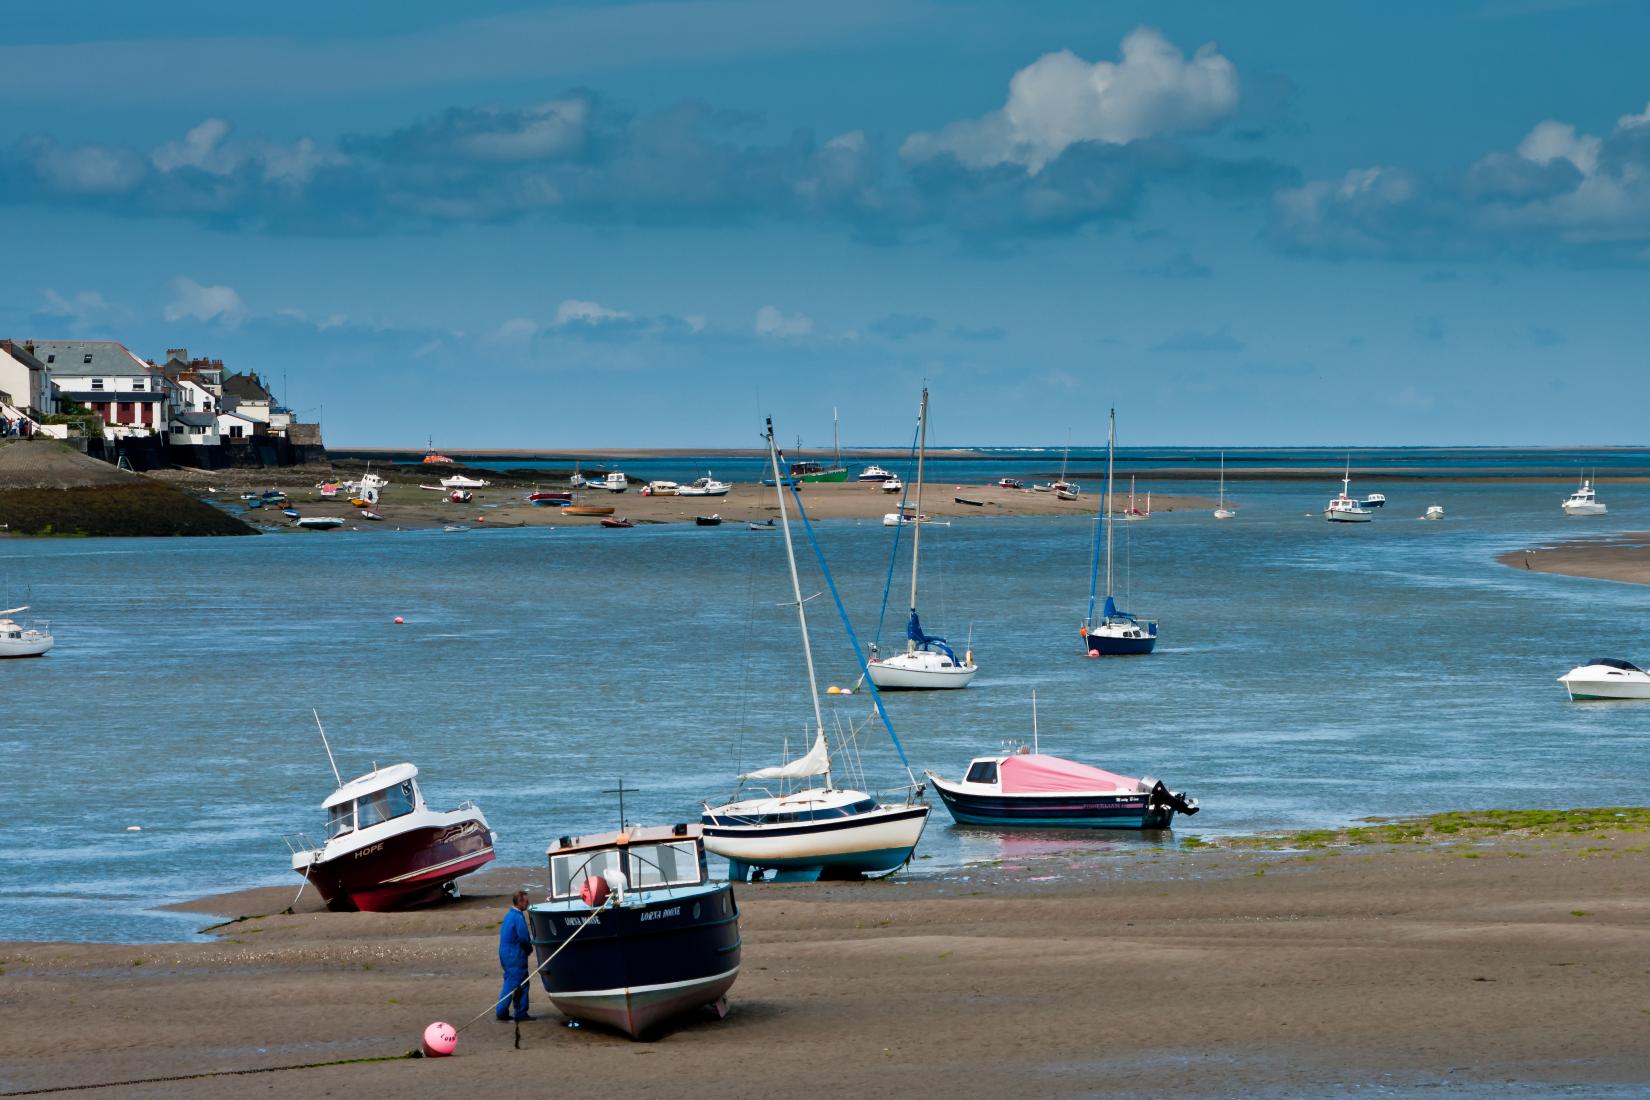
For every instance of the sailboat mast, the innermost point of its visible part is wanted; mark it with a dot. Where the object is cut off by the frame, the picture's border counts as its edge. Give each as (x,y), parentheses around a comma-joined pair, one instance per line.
(796,591)
(1111,499)
(836,440)
(1223,479)
(916,523)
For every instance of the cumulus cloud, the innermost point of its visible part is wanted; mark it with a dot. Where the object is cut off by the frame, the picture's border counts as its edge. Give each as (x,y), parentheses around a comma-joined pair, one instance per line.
(81,310)
(1061,100)
(1557,190)
(771,322)
(572,311)
(194,302)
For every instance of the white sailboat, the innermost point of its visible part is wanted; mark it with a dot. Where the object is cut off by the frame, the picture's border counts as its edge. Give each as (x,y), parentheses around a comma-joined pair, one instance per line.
(928,662)
(820,830)
(1135,513)
(1117,633)
(1345,508)
(1221,511)
(17,640)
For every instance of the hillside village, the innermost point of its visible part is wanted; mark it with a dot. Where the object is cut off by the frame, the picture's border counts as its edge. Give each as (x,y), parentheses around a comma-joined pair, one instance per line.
(105,400)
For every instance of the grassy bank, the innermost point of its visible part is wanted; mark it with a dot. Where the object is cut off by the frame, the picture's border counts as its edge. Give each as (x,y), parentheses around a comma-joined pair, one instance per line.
(1454,826)
(139,508)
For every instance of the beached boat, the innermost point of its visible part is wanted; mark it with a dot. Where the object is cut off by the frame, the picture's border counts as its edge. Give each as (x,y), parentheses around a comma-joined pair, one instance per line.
(587,510)
(1345,508)
(928,662)
(459,481)
(1117,633)
(454,528)
(368,513)
(666,942)
(327,489)
(661,489)
(708,521)
(970,501)
(17,640)
(760,525)
(805,471)
(1584,502)
(549,496)
(1221,511)
(820,830)
(1065,494)
(460,496)
(893,485)
(1029,790)
(291,513)
(1010,483)
(254,502)
(706,486)
(386,849)
(903,517)
(319,523)
(614,482)
(609,521)
(1607,678)
(873,475)
(360,502)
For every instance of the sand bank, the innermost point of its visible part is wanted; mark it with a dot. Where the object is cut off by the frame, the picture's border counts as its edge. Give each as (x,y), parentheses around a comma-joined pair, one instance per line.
(1323,965)
(1620,557)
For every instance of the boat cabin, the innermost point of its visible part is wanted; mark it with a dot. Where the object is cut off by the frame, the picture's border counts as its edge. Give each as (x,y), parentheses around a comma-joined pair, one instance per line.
(373,799)
(1615,663)
(1030,773)
(649,858)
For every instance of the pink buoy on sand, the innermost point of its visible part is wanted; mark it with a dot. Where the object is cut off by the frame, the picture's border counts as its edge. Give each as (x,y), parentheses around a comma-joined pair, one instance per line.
(440,1040)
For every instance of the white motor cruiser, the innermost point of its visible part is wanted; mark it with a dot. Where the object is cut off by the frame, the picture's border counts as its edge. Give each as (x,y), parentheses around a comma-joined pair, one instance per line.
(1346,508)
(706,486)
(17,640)
(459,481)
(1607,678)
(1583,502)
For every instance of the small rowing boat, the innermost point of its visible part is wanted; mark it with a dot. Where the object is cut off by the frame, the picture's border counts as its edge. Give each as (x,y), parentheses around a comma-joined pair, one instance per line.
(708,521)
(320,523)
(587,510)
(609,521)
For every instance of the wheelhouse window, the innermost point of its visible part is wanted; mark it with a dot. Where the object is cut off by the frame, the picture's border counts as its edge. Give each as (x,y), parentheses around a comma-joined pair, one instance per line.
(384,805)
(569,872)
(982,771)
(664,865)
(340,819)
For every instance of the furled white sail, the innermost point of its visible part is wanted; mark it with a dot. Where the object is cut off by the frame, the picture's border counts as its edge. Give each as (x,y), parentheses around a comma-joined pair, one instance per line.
(817,762)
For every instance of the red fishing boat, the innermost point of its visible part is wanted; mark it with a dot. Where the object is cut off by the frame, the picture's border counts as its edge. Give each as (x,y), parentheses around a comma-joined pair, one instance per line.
(550,496)
(386,849)
(620,522)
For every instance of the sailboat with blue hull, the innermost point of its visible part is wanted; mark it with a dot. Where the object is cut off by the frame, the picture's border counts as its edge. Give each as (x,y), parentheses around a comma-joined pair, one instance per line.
(820,831)
(1117,633)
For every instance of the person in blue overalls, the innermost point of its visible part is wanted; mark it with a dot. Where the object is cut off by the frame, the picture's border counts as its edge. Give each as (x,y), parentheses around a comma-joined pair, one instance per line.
(515,944)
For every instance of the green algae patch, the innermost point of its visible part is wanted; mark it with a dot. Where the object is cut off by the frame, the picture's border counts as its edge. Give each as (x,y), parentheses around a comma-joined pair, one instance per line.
(1455,826)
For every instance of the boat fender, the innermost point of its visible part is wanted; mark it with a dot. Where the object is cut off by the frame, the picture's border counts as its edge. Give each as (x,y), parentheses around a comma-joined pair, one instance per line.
(1092,653)
(968,657)
(594,892)
(1082,632)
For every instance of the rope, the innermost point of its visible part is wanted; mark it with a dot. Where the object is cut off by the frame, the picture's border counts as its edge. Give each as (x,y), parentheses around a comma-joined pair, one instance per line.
(842,612)
(594,913)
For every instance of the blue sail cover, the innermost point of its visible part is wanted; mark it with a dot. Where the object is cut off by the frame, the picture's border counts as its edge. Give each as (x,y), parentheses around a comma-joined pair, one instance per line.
(913,631)
(1111,611)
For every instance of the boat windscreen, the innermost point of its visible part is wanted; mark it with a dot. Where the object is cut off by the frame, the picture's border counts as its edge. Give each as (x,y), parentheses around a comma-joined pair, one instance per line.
(664,864)
(340,819)
(568,873)
(380,806)
(1625,666)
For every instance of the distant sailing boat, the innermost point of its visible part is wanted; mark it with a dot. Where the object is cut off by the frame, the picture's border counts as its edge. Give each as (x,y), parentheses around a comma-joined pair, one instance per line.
(813,471)
(1221,511)
(1118,633)
(928,662)
(820,830)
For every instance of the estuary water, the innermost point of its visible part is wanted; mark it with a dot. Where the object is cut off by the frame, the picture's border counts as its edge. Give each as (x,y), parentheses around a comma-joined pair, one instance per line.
(1309,674)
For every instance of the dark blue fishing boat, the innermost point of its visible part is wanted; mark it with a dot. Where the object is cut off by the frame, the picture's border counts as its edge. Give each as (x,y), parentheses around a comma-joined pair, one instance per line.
(663,941)
(1029,790)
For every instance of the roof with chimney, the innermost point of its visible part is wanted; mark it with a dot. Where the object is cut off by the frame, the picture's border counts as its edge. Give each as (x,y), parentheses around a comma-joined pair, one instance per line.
(21,353)
(77,357)
(246,387)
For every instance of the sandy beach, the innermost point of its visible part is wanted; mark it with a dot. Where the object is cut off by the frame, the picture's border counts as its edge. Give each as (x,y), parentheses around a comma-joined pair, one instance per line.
(1459,959)
(503,503)
(1619,557)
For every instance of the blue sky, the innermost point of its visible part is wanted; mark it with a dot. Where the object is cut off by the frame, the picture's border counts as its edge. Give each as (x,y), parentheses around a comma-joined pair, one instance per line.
(585,225)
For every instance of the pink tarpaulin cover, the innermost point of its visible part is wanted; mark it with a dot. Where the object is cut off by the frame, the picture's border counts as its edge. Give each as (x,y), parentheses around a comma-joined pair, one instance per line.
(1031,774)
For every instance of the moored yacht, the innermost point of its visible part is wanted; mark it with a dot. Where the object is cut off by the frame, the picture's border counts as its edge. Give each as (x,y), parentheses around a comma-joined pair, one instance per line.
(1116,633)
(1375,500)
(1345,508)
(706,486)
(17,640)
(1607,678)
(634,933)
(1583,502)
(1030,790)
(386,849)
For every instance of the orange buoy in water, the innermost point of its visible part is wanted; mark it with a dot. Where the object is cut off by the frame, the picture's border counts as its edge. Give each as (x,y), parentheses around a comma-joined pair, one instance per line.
(399,620)
(440,1040)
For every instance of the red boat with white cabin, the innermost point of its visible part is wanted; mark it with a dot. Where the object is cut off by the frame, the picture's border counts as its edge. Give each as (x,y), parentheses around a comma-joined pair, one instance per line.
(386,849)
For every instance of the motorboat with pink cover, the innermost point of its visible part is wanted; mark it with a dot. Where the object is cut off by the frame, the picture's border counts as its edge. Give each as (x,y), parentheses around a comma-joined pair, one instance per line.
(1026,789)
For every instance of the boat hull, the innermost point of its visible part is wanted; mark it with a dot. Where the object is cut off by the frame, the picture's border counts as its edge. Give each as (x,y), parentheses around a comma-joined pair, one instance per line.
(1110,645)
(403,870)
(1594,687)
(1339,515)
(1065,810)
(867,843)
(899,674)
(635,968)
(825,477)
(1584,509)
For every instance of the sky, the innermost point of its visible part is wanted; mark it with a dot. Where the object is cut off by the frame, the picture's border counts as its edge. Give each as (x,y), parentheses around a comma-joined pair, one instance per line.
(575,225)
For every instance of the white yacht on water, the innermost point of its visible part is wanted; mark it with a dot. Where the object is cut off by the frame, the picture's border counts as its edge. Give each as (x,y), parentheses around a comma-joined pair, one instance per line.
(819,831)
(1583,502)
(1221,511)
(17,640)
(1345,508)
(928,662)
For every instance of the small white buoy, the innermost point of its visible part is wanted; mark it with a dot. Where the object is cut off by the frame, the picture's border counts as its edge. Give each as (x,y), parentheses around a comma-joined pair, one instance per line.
(134,828)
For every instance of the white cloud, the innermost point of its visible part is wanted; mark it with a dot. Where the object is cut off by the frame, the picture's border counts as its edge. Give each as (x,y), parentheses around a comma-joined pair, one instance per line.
(87,169)
(84,308)
(202,147)
(771,322)
(573,311)
(1060,100)
(695,322)
(548,130)
(194,302)
(516,330)
(1550,141)
(207,148)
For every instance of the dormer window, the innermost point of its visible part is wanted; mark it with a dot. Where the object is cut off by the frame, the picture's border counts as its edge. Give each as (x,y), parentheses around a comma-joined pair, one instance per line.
(51,358)
(87,358)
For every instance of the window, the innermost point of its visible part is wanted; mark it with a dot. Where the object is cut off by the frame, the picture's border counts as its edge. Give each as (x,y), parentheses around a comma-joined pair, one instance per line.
(87,358)
(97,383)
(51,358)
(568,873)
(138,385)
(664,865)
(178,429)
(982,771)
(381,806)
(340,819)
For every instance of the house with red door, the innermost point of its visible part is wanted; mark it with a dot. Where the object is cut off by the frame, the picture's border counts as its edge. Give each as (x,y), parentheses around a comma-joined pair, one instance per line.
(133,397)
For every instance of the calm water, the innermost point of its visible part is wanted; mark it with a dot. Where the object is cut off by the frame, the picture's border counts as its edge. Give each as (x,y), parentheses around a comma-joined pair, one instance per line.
(1309,674)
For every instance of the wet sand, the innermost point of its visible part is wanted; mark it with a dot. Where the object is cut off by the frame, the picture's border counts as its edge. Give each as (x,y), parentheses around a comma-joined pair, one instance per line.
(1191,973)
(1619,557)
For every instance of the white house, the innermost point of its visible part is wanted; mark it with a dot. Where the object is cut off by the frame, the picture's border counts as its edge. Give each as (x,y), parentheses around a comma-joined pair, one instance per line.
(232,425)
(23,382)
(194,429)
(132,397)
